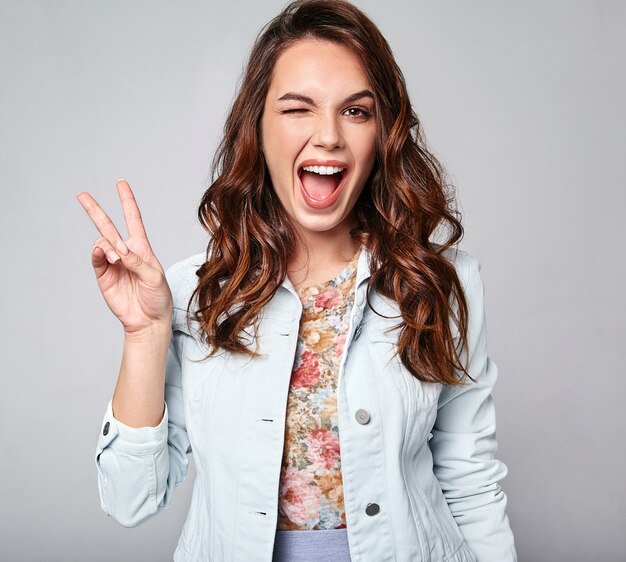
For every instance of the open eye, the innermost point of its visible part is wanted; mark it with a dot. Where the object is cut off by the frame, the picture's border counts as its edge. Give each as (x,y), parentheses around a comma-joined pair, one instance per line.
(357,112)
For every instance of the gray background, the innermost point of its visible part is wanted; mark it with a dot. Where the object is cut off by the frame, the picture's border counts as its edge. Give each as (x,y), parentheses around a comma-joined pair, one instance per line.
(524,104)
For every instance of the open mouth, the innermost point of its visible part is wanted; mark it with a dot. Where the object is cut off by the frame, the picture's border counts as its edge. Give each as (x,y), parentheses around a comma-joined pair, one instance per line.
(321,182)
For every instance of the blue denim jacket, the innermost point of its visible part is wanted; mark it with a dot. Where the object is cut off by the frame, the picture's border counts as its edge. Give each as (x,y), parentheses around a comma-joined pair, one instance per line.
(420,474)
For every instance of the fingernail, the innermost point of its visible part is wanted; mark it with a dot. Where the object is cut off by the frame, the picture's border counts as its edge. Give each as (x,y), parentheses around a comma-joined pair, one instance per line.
(94,249)
(123,249)
(113,256)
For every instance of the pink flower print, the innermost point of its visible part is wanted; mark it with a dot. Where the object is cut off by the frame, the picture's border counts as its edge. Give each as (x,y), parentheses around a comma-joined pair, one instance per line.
(307,373)
(298,500)
(323,449)
(339,343)
(330,298)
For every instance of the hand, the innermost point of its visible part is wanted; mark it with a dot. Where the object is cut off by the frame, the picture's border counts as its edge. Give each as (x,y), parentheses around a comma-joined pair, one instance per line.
(129,275)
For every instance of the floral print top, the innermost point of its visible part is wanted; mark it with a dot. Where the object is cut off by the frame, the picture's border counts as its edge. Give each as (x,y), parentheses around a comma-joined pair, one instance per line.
(311,486)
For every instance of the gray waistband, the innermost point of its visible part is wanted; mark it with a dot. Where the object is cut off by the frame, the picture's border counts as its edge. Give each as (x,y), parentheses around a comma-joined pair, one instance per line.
(312,546)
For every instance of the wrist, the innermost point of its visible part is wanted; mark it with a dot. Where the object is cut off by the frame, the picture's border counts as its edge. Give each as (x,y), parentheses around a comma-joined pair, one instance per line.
(157,331)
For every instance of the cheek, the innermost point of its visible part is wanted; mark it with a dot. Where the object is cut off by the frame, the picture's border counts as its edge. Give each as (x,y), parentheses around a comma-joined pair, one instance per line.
(280,150)
(371,139)
(282,142)
(365,149)
(291,137)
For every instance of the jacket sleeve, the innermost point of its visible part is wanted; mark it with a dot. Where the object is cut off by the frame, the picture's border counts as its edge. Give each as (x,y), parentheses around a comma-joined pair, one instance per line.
(464,443)
(139,467)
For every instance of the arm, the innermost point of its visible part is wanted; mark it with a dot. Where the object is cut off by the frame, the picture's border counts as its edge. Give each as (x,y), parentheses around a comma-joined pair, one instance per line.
(142,453)
(464,443)
(138,467)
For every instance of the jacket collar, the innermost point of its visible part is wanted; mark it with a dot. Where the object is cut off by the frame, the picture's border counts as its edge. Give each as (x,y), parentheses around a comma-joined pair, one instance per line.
(363,271)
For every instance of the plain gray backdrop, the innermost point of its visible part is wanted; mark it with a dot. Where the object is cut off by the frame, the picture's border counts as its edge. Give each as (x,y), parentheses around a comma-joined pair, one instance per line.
(522,101)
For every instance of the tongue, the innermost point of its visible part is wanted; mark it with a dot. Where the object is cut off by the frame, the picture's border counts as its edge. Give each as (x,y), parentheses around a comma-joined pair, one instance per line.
(318,187)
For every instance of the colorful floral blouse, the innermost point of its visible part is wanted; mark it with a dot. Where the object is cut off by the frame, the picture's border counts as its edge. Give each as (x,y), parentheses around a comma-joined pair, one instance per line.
(311,486)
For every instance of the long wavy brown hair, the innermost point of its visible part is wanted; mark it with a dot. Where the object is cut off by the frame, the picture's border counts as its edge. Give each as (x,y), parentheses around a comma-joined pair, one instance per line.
(406,199)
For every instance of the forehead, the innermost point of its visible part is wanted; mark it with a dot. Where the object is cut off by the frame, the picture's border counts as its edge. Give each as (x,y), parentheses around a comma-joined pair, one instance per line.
(317,64)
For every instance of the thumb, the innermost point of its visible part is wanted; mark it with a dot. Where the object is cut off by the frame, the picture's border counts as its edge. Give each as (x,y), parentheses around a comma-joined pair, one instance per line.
(134,263)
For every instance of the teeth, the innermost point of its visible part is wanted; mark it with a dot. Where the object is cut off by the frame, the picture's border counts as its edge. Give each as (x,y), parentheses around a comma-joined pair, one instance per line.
(323,170)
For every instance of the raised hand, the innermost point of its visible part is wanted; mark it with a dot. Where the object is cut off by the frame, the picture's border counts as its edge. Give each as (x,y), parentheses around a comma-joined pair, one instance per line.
(129,275)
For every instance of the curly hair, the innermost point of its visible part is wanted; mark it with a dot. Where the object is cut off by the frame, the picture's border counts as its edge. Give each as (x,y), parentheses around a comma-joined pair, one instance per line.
(405,201)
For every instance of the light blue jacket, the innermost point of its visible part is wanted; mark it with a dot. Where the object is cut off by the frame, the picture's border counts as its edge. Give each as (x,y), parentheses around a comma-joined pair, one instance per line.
(425,454)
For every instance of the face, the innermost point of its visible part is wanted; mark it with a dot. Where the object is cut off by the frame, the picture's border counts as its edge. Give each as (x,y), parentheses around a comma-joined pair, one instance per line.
(318,134)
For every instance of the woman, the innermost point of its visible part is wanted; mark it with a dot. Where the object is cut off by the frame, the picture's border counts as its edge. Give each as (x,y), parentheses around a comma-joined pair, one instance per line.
(272,356)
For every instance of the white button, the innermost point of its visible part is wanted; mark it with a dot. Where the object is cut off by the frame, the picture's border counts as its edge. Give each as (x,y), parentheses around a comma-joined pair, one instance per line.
(362,416)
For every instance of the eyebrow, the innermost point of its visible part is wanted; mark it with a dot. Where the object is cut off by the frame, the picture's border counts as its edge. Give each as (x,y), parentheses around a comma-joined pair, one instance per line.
(305,99)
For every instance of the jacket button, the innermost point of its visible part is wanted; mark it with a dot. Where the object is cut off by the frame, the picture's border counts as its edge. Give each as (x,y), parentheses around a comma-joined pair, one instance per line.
(105,430)
(362,416)
(372,508)
(357,332)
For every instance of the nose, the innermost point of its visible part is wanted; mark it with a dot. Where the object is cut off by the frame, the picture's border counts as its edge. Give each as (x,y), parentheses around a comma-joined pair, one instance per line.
(327,133)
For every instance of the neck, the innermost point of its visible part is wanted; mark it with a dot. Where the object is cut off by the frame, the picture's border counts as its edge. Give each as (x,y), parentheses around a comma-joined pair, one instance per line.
(322,254)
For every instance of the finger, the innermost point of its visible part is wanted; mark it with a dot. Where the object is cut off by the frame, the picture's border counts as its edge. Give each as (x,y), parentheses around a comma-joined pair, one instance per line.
(102,221)
(132,215)
(109,252)
(99,261)
(103,257)
(136,264)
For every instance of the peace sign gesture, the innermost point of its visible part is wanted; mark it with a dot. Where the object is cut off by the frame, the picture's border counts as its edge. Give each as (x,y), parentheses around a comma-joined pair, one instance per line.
(129,275)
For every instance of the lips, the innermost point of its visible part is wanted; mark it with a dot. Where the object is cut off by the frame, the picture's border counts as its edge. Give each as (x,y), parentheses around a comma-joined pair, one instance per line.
(319,185)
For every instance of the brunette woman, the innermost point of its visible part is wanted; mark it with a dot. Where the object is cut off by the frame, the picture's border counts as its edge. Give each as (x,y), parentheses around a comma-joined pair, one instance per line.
(325,358)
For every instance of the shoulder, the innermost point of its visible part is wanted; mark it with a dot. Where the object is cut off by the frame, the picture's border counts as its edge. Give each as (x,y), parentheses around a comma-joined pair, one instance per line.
(467,266)
(468,269)
(182,279)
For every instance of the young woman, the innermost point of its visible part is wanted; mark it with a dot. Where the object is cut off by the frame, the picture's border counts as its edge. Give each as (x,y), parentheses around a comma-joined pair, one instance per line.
(324,359)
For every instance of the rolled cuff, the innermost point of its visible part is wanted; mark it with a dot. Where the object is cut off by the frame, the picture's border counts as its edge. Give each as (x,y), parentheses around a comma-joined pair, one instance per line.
(132,440)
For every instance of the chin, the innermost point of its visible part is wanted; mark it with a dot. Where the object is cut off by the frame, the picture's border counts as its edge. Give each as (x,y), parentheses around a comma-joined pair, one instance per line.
(321,224)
